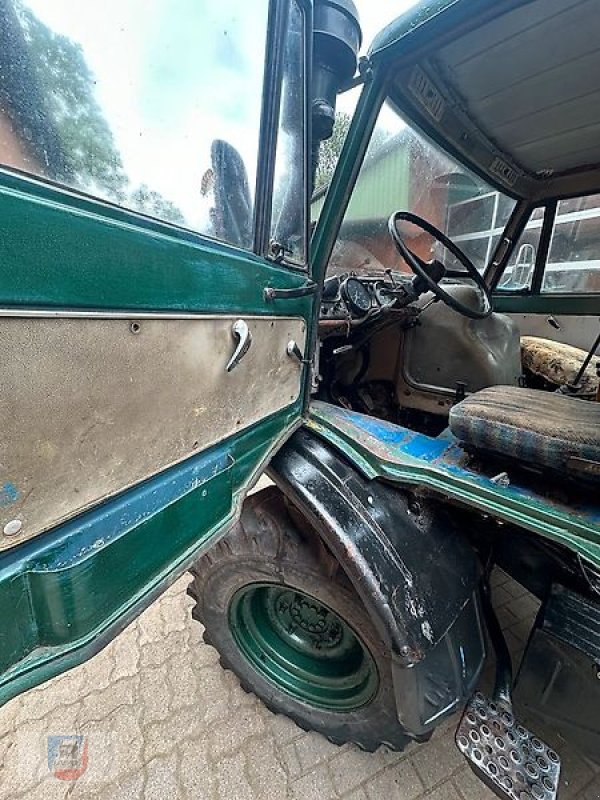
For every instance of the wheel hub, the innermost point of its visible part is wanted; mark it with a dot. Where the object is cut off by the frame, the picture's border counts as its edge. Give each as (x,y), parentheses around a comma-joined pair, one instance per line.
(303,647)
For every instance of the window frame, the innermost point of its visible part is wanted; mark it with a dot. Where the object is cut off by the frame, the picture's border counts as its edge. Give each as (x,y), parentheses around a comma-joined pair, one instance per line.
(547,224)
(267,143)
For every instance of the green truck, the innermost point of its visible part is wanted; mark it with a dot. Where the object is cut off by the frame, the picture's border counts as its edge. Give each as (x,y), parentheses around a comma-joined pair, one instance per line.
(420,388)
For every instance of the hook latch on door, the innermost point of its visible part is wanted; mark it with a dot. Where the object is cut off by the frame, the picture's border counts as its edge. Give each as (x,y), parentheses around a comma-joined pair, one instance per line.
(241,332)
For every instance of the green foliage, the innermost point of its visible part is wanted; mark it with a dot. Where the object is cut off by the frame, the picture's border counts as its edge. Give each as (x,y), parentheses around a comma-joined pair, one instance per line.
(67,85)
(330,151)
(150,202)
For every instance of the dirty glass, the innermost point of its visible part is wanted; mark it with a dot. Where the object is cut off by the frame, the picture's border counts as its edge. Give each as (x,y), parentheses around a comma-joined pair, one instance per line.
(150,104)
(518,273)
(404,171)
(289,201)
(573,264)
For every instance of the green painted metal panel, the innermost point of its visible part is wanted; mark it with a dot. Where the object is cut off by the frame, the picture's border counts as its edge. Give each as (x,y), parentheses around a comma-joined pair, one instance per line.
(382,450)
(548,303)
(65,250)
(70,590)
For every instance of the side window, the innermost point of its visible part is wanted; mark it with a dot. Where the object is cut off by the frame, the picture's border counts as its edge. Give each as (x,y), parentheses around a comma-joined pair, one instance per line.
(151,105)
(573,264)
(288,228)
(518,273)
(476,223)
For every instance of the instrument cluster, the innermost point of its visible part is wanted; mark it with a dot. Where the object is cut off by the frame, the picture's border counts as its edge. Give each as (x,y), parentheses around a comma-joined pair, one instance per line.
(351,297)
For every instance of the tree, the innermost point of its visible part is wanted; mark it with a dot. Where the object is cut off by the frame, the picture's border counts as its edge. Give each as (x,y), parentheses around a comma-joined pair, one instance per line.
(150,202)
(65,102)
(66,85)
(330,150)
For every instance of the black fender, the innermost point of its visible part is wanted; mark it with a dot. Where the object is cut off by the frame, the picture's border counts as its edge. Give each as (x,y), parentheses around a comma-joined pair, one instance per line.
(417,576)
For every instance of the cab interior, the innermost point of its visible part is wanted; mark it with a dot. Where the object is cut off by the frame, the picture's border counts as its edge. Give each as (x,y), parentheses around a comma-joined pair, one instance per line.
(491,138)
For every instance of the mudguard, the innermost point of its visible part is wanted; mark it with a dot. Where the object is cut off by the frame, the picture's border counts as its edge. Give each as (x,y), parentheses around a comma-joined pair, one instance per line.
(416,575)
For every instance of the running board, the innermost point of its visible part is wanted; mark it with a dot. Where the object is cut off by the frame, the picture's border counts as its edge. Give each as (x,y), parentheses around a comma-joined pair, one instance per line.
(512,761)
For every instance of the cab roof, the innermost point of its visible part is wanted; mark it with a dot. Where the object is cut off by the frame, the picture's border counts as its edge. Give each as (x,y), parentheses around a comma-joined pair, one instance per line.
(510,87)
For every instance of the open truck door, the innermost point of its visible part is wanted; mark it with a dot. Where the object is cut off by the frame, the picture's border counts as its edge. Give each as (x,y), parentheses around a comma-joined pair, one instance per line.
(155,306)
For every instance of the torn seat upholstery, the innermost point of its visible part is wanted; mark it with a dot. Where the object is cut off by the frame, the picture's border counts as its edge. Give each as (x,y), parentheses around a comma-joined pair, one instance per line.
(558,364)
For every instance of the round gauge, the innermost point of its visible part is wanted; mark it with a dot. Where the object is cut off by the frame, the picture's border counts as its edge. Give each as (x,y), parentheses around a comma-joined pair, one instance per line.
(356,296)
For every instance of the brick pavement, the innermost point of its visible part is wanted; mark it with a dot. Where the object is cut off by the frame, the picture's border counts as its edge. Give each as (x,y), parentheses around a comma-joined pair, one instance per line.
(165,721)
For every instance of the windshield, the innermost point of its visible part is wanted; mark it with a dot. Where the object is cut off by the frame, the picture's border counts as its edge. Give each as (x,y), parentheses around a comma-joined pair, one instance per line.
(404,171)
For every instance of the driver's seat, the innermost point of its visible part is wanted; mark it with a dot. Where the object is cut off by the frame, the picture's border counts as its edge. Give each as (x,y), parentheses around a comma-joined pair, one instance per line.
(542,429)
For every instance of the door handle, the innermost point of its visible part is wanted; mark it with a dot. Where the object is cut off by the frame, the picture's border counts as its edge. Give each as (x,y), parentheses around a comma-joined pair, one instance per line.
(241,332)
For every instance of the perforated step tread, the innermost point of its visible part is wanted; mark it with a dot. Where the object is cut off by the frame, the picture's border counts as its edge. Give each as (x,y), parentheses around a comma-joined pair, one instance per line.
(513,762)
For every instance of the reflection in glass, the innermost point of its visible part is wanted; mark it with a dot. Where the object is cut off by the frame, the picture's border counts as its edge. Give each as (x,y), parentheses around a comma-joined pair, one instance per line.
(404,171)
(288,225)
(151,104)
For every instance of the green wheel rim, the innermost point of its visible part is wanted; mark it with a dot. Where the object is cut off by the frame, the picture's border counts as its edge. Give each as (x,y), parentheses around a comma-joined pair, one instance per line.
(302,647)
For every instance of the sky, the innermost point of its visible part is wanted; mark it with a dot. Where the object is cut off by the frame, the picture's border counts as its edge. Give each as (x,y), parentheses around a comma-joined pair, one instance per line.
(172,75)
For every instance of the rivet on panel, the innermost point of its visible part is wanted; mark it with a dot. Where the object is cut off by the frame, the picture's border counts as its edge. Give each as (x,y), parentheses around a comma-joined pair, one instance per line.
(135,327)
(13,527)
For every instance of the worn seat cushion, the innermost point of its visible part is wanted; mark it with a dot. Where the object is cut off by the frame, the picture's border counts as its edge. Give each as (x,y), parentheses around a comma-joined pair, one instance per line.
(558,363)
(541,428)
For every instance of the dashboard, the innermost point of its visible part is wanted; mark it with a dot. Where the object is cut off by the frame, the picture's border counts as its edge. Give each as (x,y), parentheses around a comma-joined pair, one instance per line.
(358,298)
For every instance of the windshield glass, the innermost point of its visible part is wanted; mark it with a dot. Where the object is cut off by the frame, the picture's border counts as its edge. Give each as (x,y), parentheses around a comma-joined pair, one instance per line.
(404,171)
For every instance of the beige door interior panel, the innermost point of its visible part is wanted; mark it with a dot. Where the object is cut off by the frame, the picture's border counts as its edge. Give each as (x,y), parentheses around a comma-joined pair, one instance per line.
(91,405)
(579,331)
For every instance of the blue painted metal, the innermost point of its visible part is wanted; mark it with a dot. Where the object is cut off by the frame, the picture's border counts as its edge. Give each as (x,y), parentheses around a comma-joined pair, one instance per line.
(441,466)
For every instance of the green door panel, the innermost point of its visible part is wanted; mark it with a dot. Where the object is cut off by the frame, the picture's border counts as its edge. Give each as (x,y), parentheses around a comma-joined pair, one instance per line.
(69,251)
(382,450)
(71,590)
(73,587)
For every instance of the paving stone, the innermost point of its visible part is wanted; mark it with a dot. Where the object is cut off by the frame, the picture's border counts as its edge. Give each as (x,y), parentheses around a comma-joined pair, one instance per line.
(154,694)
(98,677)
(283,728)
(231,778)
(357,794)
(470,787)
(353,766)
(447,791)
(229,735)
(126,654)
(160,739)
(150,625)
(264,770)
(399,782)
(312,748)
(437,762)
(183,681)
(161,779)
(317,785)
(290,759)
(177,725)
(196,776)
(175,612)
(130,787)
(212,698)
(100,705)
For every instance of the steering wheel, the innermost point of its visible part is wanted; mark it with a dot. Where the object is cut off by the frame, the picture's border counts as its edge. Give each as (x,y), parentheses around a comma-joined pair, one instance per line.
(431,272)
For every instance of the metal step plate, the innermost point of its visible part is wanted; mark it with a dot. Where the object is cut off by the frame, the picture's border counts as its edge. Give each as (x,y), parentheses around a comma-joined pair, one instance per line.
(511,760)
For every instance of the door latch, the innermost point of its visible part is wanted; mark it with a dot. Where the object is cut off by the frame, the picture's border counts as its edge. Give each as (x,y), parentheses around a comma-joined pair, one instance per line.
(241,332)
(294,352)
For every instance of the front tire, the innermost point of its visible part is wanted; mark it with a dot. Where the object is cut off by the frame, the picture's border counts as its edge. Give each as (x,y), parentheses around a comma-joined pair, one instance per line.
(285,618)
